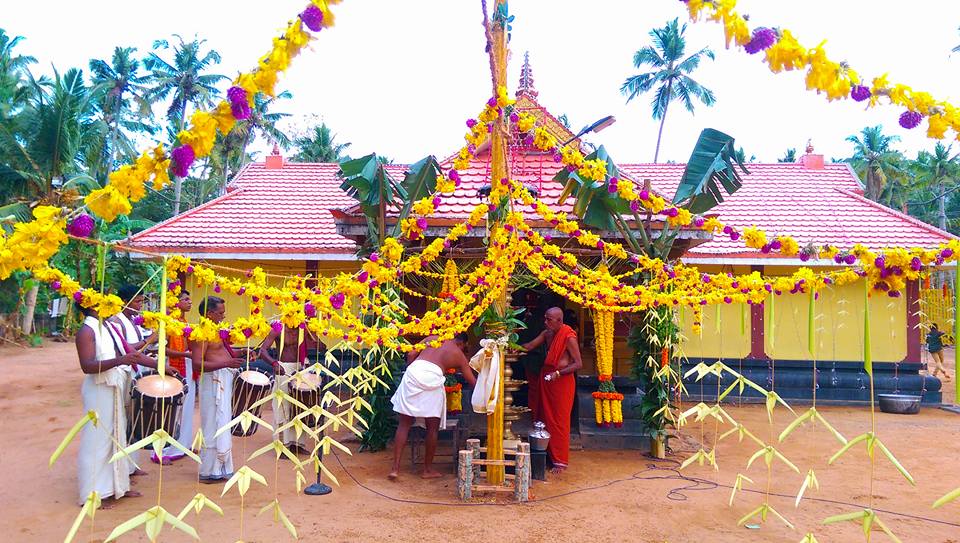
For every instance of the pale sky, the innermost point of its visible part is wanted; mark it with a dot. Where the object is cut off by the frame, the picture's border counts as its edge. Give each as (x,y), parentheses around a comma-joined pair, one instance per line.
(400,77)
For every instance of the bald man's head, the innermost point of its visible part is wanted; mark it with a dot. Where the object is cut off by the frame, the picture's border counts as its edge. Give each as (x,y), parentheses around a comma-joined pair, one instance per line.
(553,318)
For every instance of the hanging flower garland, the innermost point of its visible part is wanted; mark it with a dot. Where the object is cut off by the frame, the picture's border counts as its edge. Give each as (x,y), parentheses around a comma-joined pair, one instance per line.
(782,52)
(128,184)
(607,402)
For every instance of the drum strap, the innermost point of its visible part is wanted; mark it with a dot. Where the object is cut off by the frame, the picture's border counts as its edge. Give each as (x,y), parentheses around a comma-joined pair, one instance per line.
(125,349)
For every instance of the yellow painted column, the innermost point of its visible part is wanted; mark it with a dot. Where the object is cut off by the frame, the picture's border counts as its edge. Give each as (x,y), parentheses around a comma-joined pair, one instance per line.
(498,171)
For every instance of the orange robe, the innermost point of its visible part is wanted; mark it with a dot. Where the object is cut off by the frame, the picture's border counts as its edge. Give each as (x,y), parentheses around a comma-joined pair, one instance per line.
(556,399)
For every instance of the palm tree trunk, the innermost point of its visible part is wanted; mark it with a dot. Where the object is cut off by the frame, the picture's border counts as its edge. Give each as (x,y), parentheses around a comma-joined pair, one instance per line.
(31,305)
(177,181)
(942,205)
(663,119)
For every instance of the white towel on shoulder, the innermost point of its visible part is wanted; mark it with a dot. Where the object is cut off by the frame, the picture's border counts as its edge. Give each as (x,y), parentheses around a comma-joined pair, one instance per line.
(420,393)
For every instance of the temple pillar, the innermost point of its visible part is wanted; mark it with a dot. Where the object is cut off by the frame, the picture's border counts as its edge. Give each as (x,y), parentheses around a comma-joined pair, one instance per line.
(757,337)
(914,339)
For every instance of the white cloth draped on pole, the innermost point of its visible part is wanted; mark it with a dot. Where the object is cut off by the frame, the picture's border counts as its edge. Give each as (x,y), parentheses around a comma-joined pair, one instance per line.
(487,363)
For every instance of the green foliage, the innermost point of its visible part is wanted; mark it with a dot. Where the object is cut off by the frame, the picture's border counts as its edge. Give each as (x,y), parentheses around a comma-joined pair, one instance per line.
(493,319)
(670,74)
(382,421)
(320,146)
(647,340)
(713,163)
(367,180)
(875,160)
(593,203)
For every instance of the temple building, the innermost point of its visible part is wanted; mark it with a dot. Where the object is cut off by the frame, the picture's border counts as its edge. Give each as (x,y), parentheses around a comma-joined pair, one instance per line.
(293,218)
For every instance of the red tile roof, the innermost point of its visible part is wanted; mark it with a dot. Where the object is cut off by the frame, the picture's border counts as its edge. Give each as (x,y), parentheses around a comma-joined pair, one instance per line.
(264,211)
(287,210)
(819,206)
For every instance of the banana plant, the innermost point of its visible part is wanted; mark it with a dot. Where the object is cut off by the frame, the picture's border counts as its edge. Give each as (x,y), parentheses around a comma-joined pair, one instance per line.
(367,180)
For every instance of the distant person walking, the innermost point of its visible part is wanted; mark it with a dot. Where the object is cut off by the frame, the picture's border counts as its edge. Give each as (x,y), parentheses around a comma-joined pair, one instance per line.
(935,346)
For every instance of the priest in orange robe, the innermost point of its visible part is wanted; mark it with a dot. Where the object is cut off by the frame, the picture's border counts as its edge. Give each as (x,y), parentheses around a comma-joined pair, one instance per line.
(557,384)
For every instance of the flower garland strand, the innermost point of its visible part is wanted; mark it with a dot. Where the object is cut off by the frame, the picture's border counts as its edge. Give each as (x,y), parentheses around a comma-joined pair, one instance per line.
(783,52)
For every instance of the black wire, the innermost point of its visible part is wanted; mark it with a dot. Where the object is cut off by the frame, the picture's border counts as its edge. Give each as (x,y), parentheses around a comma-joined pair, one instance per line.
(675,494)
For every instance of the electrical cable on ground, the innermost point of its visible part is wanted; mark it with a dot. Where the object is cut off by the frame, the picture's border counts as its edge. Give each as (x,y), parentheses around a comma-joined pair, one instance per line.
(676,493)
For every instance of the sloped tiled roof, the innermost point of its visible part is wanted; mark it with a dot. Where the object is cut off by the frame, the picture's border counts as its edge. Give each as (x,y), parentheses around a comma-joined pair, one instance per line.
(288,210)
(812,205)
(264,211)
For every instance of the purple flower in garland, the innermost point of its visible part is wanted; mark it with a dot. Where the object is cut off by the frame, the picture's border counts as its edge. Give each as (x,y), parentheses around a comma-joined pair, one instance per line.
(860,92)
(313,18)
(276,326)
(850,259)
(56,285)
(337,300)
(309,310)
(224,334)
(471,123)
(138,320)
(910,119)
(238,103)
(946,253)
(916,264)
(634,206)
(762,39)
(82,226)
(181,158)
(187,331)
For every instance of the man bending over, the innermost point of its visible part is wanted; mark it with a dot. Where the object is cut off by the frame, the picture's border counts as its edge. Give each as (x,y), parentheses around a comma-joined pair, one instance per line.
(421,394)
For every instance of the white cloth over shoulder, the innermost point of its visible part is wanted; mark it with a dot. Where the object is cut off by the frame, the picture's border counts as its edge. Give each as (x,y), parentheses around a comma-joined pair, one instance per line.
(103,393)
(421,393)
(216,410)
(487,363)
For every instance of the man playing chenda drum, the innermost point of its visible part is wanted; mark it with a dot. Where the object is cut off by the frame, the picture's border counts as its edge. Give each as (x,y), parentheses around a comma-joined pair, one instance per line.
(107,372)
(291,346)
(217,363)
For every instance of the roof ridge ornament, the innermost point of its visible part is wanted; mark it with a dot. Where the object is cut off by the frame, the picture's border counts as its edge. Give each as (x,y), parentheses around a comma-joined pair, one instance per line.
(526,78)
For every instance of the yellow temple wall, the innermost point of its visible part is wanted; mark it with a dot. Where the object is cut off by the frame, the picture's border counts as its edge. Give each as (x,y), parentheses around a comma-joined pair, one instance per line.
(239,306)
(725,332)
(838,329)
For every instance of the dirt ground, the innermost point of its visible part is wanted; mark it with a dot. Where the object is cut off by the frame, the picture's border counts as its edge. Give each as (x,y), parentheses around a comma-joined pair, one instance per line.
(606,495)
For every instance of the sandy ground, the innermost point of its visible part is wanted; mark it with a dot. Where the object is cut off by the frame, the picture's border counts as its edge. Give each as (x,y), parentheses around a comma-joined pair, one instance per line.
(606,495)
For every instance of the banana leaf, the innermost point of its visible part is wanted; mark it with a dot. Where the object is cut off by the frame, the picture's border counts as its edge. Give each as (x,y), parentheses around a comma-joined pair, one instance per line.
(363,179)
(712,165)
(593,203)
(366,179)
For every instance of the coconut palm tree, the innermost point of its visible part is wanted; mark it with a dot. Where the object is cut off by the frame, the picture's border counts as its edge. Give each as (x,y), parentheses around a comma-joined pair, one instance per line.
(185,81)
(320,146)
(14,73)
(874,159)
(54,128)
(122,105)
(937,172)
(230,152)
(789,156)
(670,74)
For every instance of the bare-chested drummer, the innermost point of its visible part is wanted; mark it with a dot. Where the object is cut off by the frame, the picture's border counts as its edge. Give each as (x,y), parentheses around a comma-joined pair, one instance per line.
(217,362)
(291,348)
(421,394)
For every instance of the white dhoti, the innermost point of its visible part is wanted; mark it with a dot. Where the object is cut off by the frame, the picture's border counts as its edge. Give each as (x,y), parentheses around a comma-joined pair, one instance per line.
(103,393)
(421,393)
(185,433)
(216,398)
(283,411)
